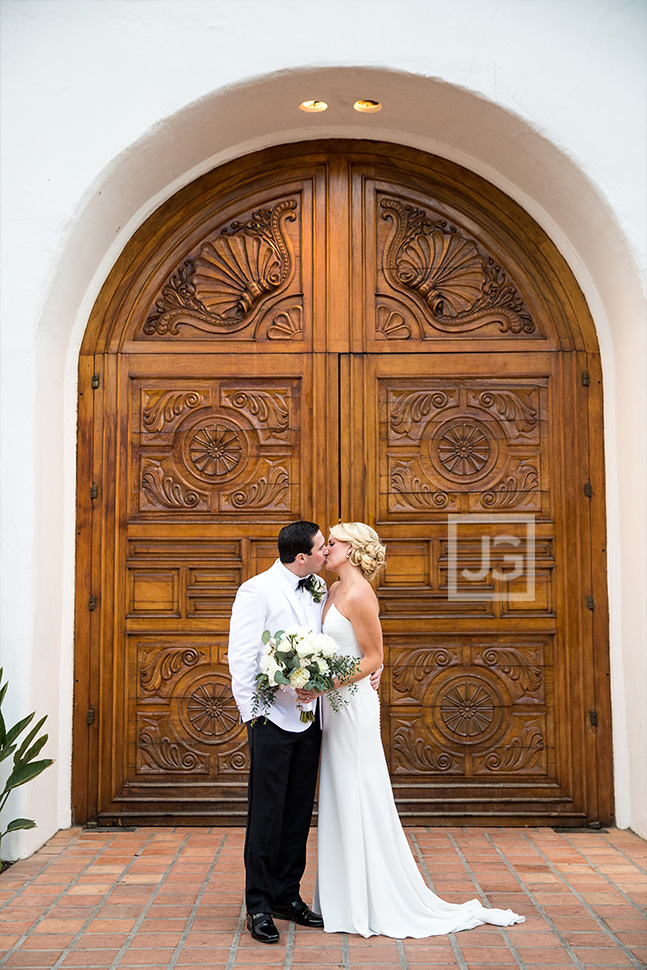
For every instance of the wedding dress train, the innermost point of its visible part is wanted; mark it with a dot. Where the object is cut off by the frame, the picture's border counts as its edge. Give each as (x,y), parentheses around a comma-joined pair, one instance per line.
(367,879)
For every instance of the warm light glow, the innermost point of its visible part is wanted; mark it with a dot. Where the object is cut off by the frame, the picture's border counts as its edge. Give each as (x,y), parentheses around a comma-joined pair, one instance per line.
(367,107)
(313,105)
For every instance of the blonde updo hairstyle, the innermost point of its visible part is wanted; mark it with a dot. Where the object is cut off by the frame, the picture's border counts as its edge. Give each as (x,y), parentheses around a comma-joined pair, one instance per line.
(367,551)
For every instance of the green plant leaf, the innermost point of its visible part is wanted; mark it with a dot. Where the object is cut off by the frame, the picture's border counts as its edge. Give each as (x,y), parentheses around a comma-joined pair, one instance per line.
(5,752)
(18,728)
(33,751)
(19,776)
(20,823)
(30,737)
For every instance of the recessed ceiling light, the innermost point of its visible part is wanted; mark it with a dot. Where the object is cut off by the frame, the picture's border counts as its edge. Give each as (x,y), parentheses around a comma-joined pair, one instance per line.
(313,105)
(367,107)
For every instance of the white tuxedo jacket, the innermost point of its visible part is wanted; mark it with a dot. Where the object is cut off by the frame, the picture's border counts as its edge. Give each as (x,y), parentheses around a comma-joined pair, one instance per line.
(271,602)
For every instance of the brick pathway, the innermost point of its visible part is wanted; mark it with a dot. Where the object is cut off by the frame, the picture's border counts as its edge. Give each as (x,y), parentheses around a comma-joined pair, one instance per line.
(172,898)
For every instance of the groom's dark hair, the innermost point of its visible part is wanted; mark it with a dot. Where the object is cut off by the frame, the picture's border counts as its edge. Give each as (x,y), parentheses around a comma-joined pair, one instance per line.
(295,538)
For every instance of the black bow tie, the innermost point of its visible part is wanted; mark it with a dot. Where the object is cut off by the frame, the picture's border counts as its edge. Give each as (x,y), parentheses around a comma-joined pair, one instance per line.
(305,583)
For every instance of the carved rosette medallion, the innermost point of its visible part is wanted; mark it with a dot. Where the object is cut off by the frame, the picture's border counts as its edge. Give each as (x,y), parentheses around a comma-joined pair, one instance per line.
(462,449)
(214,447)
(207,710)
(467,707)
(218,289)
(459,286)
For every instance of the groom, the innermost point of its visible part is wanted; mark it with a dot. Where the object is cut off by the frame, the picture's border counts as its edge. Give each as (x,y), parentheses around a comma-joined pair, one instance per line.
(284,752)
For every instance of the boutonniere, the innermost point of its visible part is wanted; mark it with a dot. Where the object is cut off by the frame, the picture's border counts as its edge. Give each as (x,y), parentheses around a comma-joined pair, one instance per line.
(315,586)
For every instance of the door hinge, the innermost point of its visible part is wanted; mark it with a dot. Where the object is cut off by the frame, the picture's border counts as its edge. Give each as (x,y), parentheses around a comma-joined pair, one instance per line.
(589,602)
(95,381)
(94,490)
(90,717)
(593,718)
(588,489)
(586,380)
(92,603)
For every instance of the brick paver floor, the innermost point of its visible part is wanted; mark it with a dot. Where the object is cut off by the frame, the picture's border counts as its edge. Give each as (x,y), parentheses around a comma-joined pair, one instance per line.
(173,898)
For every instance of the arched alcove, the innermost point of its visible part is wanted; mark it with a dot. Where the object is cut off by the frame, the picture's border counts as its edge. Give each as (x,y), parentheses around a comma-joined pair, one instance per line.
(424,112)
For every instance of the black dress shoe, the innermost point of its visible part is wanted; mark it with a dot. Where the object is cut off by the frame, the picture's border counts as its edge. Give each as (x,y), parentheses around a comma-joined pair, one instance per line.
(299,913)
(262,928)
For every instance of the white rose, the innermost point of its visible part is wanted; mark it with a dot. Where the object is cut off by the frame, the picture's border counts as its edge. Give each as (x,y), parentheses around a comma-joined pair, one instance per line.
(269,667)
(327,645)
(322,665)
(299,677)
(305,648)
(294,630)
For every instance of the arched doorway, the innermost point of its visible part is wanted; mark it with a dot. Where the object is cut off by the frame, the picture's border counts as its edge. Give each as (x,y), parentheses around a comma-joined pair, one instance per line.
(358,331)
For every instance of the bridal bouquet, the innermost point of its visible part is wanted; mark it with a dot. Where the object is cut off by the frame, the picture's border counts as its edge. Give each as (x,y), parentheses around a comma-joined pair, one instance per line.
(299,658)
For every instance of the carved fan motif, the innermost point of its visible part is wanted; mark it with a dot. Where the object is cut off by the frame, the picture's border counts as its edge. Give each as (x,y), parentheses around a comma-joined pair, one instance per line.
(216,290)
(461,287)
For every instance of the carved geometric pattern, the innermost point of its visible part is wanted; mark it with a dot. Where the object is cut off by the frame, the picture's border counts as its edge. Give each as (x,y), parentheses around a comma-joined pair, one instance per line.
(460,287)
(467,709)
(209,711)
(215,449)
(217,290)
(463,450)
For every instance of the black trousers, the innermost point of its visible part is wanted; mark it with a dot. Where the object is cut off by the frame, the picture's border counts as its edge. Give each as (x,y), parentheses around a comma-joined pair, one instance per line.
(282,781)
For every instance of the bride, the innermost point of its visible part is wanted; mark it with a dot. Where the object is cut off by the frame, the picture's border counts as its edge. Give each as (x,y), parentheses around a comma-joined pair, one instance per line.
(367,879)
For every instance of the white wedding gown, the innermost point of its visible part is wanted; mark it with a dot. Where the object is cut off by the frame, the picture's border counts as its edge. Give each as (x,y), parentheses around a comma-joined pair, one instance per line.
(367,879)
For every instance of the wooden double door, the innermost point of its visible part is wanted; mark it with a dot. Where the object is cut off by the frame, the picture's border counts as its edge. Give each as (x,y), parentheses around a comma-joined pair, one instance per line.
(345,331)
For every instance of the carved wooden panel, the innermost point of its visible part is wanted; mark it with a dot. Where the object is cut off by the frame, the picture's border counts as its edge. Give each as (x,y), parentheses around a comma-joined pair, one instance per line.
(182,719)
(206,447)
(472,707)
(244,280)
(434,274)
(463,445)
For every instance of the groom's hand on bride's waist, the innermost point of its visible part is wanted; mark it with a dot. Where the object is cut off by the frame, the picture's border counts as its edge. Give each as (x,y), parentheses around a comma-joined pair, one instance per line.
(376,677)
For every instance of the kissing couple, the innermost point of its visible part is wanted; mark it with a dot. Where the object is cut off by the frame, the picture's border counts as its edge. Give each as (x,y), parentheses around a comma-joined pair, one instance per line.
(368,882)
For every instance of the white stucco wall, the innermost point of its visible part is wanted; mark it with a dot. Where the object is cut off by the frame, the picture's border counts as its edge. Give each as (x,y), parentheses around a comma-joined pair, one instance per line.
(109,107)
